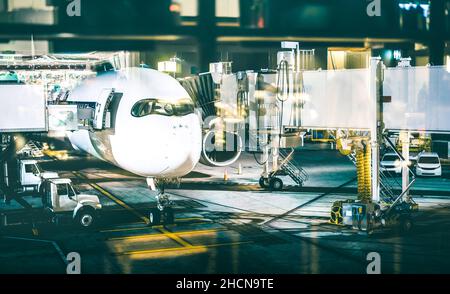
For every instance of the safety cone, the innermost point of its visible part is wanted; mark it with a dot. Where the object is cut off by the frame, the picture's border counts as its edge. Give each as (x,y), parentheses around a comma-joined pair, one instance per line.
(225,175)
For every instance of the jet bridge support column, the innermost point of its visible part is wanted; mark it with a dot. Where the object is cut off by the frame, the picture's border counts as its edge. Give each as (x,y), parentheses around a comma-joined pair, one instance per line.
(376,131)
(404,139)
(275,152)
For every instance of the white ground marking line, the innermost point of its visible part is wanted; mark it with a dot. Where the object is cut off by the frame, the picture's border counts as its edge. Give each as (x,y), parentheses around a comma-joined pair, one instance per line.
(55,245)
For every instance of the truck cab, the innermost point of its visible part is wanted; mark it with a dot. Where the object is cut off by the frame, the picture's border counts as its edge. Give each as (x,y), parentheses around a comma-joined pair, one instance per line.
(61,198)
(31,175)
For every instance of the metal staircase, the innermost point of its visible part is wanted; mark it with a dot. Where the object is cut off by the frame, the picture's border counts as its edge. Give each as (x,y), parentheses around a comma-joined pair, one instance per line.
(291,168)
(389,187)
(394,186)
(31,149)
(35,150)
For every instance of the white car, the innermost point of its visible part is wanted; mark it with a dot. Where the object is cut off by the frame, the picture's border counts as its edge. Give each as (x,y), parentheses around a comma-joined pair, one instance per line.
(428,164)
(391,163)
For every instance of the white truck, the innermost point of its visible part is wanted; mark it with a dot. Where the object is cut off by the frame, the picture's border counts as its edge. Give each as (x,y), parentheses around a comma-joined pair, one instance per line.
(23,176)
(60,199)
(31,176)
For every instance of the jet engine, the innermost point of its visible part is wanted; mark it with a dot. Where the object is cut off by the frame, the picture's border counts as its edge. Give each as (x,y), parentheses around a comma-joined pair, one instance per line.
(219,148)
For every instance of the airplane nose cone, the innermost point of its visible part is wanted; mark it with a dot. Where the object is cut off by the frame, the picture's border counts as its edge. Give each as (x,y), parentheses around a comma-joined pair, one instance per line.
(184,152)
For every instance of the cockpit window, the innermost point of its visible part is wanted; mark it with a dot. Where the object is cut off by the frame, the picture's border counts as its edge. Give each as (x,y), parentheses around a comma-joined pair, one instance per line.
(156,106)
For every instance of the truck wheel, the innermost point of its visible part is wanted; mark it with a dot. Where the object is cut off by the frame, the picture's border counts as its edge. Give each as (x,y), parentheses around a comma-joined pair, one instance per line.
(370,227)
(263,182)
(276,184)
(169,216)
(154,217)
(86,218)
(406,224)
(41,191)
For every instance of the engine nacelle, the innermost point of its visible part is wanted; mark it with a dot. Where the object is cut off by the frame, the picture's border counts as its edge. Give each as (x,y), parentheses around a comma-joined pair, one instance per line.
(221,154)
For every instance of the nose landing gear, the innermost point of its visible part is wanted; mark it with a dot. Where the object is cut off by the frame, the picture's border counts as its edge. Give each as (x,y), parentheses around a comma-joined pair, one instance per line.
(165,216)
(163,213)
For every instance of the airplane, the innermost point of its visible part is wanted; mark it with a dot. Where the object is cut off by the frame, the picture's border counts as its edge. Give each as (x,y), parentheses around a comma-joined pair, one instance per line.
(144,122)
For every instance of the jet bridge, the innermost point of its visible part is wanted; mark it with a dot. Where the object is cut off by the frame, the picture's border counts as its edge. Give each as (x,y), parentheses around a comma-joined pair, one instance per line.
(358,105)
(418,99)
(23,108)
(34,91)
(33,94)
(280,106)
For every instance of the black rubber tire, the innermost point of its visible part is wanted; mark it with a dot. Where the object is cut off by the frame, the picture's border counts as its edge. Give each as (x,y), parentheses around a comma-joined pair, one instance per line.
(276,184)
(370,228)
(406,224)
(86,218)
(263,182)
(154,217)
(169,216)
(38,192)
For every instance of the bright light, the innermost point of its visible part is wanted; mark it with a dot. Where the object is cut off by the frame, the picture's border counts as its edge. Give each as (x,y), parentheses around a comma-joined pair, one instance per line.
(304,97)
(388,54)
(289,45)
(259,94)
(176,8)
(168,66)
(233,120)
(408,6)
(220,67)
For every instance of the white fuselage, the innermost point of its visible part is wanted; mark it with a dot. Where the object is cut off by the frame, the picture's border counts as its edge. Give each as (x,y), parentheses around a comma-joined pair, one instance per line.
(153,145)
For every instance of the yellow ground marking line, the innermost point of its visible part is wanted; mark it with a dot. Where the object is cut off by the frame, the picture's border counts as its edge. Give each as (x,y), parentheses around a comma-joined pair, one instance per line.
(35,232)
(182,233)
(115,199)
(143,228)
(124,230)
(169,234)
(106,193)
(171,249)
(174,237)
(187,219)
(103,191)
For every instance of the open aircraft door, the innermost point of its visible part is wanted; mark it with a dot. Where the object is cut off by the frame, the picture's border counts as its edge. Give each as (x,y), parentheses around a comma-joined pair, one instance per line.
(101,119)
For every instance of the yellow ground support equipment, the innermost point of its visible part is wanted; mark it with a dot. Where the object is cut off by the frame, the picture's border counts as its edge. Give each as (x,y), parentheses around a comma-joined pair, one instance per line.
(337,212)
(336,217)
(364,171)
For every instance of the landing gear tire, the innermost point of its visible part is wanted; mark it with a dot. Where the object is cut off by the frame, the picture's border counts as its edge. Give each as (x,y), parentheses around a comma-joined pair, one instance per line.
(276,184)
(154,217)
(86,218)
(406,225)
(263,182)
(169,216)
(369,229)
